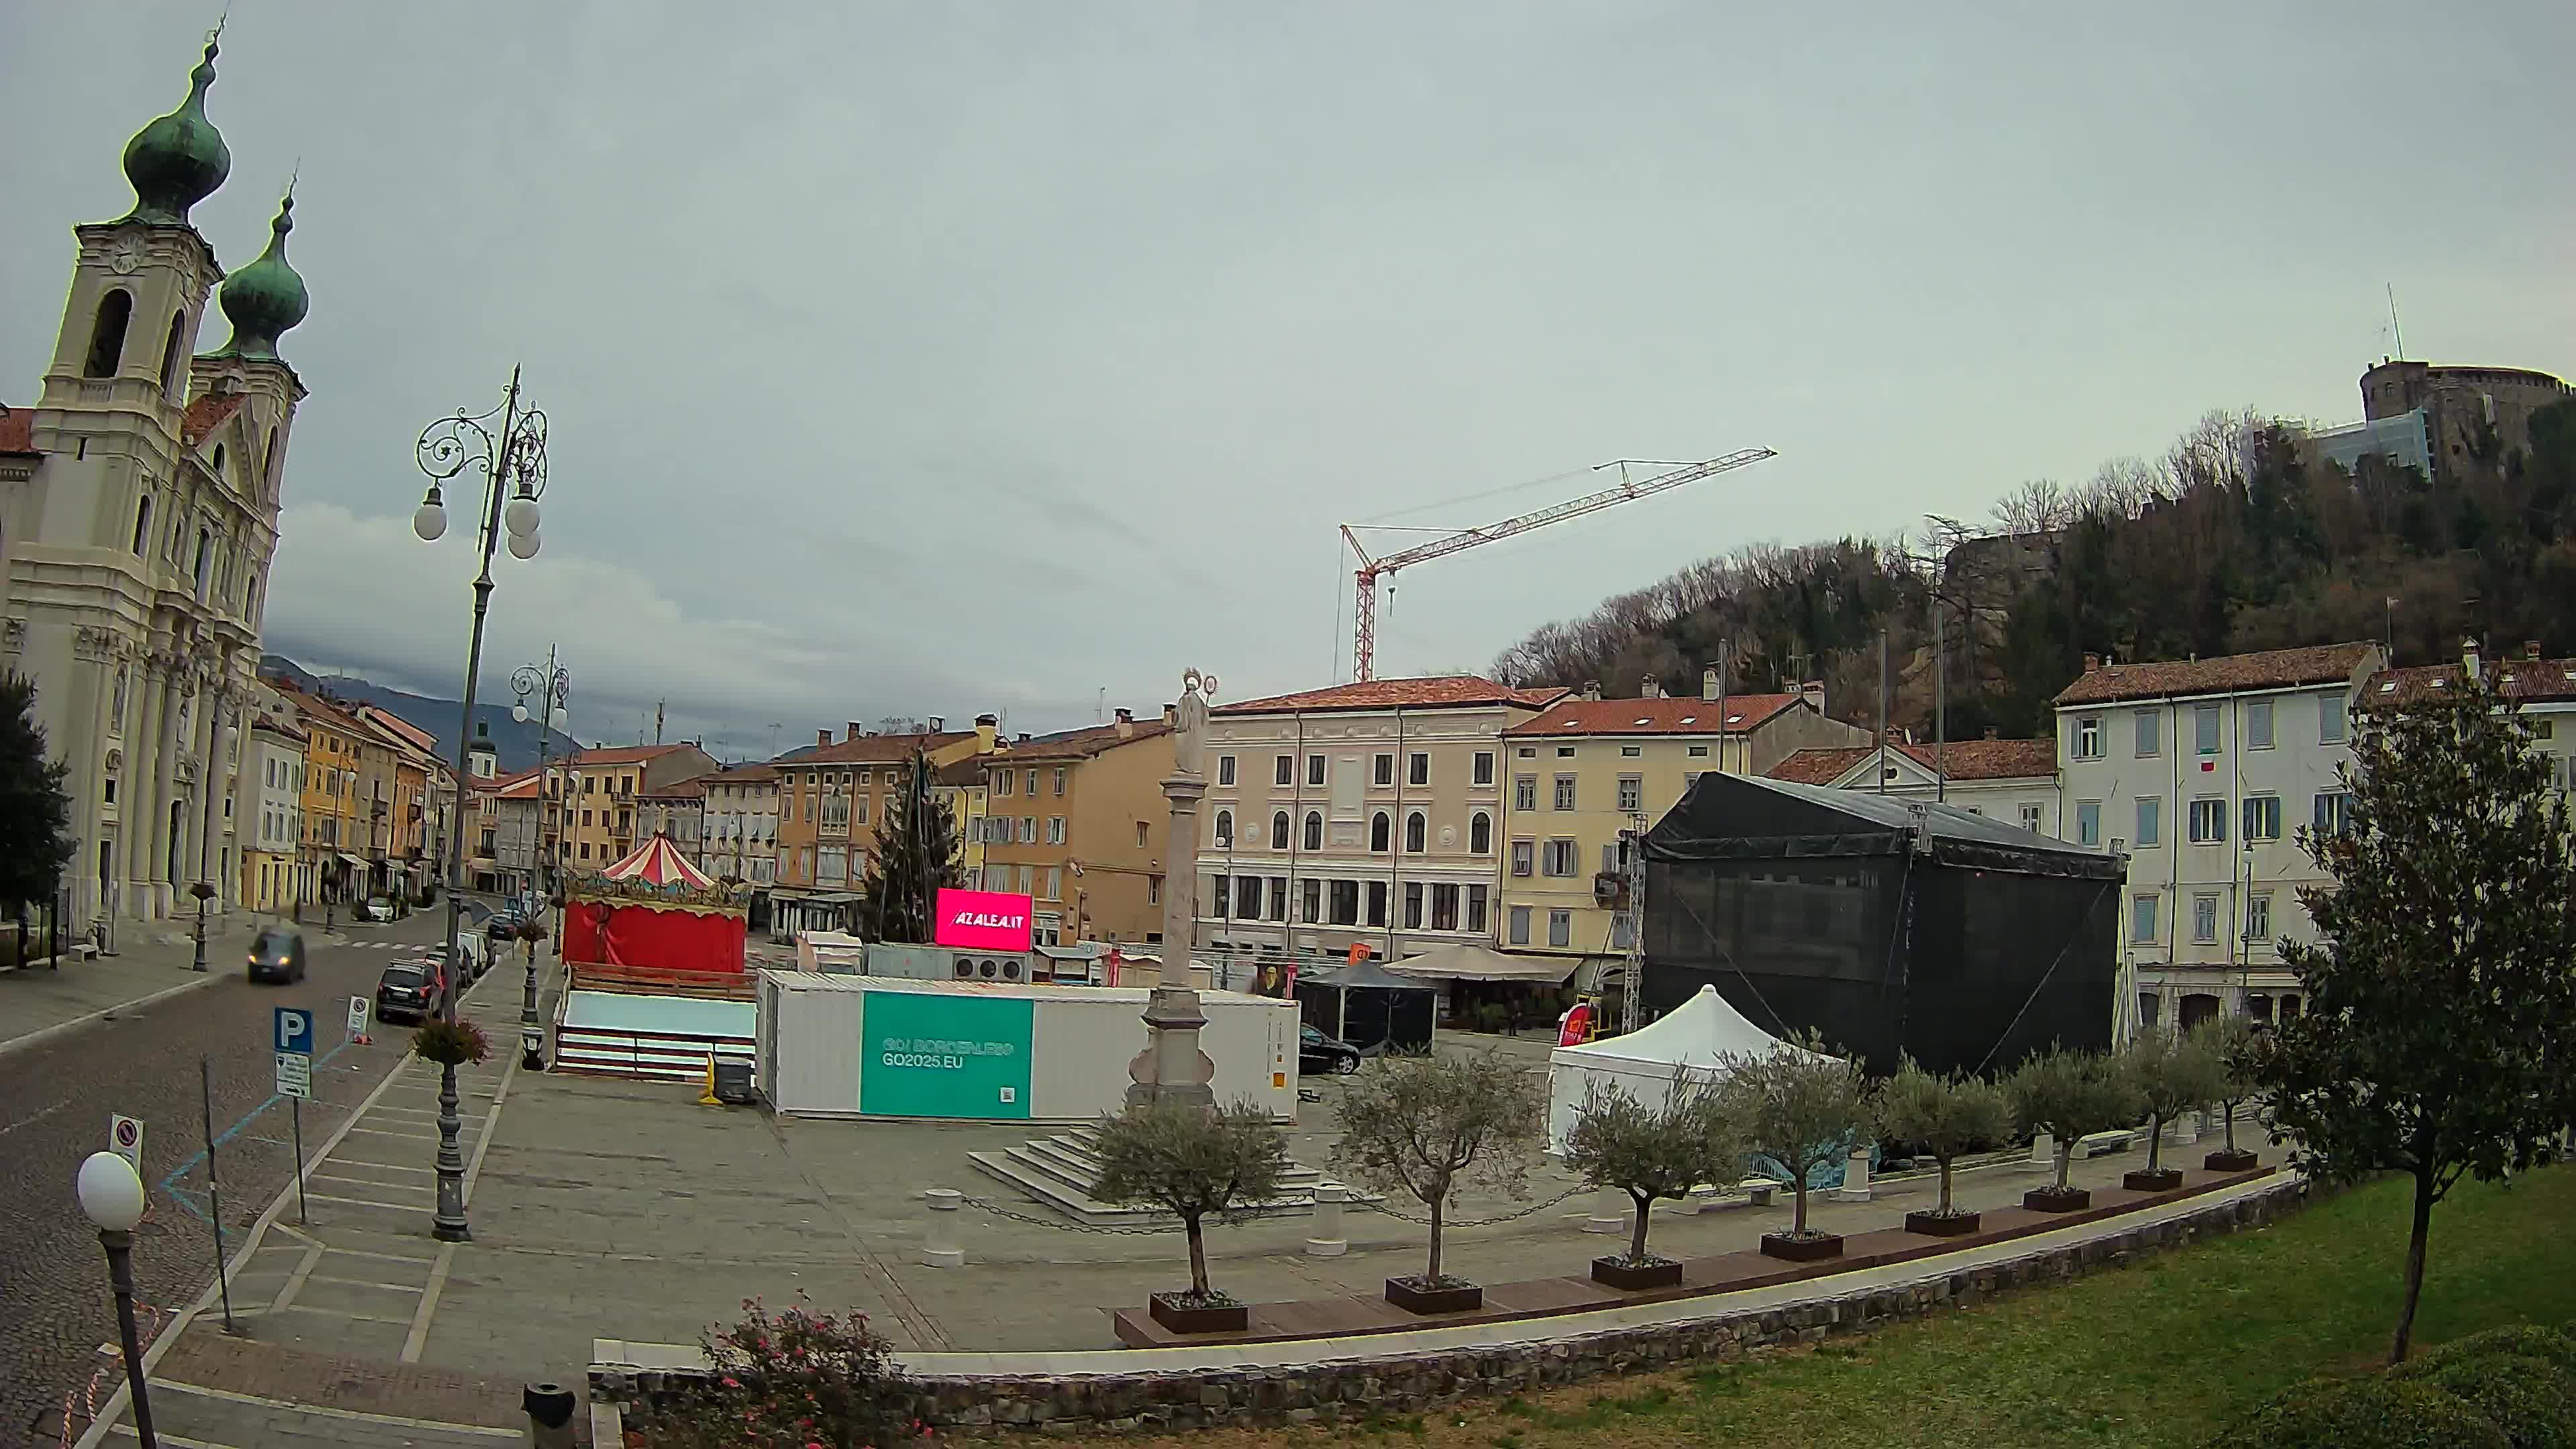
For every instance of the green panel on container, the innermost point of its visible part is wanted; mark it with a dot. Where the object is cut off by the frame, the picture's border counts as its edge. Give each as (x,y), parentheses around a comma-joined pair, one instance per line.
(937,1055)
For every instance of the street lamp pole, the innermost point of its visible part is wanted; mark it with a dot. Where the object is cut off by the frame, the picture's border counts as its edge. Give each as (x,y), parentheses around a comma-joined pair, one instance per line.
(517,455)
(111,1197)
(550,684)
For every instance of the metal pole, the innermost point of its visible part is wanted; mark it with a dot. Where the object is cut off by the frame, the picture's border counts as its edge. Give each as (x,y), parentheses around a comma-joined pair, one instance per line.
(303,1213)
(214,1189)
(120,1275)
(201,933)
(1882,711)
(1940,707)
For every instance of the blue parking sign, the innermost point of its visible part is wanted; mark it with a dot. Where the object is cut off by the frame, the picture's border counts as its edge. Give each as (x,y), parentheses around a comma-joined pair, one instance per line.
(294,1030)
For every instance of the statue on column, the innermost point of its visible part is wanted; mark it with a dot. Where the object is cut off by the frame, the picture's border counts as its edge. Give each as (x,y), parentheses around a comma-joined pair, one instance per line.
(1172,1068)
(1190,721)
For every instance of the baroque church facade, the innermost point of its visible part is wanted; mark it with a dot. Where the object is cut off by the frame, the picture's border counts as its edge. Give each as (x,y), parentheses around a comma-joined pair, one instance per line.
(138,517)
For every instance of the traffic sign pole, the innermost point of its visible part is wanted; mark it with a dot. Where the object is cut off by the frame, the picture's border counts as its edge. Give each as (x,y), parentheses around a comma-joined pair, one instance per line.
(303,1210)
(214,1191)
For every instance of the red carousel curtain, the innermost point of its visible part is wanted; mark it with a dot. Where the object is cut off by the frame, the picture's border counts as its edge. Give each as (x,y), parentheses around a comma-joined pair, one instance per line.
(641,936)
(585,929)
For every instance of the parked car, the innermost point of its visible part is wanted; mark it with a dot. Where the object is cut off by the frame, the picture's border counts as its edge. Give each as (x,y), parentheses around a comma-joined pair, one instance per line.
(477,954)
(409,991)
(1317,1052)
(377,908)
(278,955)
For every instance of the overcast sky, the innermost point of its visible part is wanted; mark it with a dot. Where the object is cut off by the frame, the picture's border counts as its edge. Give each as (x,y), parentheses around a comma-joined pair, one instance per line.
(929,359)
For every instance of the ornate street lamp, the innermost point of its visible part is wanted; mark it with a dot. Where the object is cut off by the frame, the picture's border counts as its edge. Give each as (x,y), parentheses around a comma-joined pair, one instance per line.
(513,463)
(551,684)
(111,1197)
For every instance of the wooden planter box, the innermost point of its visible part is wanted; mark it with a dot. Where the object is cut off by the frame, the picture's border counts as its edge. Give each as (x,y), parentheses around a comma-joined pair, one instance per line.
(1802,1250)
(1620,1273)
(1941,1225)
(2162,1179)
(2238,1160)
(2051,1200)
(1187,1318)
(1403,1293)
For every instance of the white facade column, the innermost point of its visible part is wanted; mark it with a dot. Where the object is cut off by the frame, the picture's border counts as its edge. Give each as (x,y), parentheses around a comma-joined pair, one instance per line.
(138,801)
(216,781)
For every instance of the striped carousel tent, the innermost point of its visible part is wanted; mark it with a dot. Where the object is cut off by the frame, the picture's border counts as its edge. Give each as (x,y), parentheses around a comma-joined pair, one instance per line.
(658,863)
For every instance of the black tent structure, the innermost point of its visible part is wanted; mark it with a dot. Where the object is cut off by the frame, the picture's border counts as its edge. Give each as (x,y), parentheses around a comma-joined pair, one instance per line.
(1890,925)
(1369,1006)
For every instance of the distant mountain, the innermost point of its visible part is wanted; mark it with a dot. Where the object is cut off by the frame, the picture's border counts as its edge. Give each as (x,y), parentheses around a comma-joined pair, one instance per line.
(515,743)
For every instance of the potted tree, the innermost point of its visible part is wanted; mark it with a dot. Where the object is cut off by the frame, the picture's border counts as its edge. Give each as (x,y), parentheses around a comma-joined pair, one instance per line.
(1947,1118)
(2238,1050)
(1652,1153)
(1193,1164)
(2069,1094)
(1425,1126)
(2174,1073)
(1802,1108)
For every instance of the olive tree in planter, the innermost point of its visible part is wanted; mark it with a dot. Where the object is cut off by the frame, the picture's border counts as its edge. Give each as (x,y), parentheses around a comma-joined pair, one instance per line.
(1948,1118)
(2070,1095)
(1425,1126)
(2174,1073)
(1801,1107)
(1194,1164)
(2237,1051)
(1652,1154)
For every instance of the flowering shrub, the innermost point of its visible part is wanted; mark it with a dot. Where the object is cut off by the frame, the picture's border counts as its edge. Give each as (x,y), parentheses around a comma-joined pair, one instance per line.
(794,1379)
(450,1043)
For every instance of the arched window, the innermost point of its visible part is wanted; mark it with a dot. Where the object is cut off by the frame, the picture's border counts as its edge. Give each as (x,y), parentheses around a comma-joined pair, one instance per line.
(1415,827)
(205,556)
(170,355)
(1480,834)
(107,335)
(268,464)
(1314,830)
(1378,828)
(219,461)
(1225,827)
(1279,830)
(142,524)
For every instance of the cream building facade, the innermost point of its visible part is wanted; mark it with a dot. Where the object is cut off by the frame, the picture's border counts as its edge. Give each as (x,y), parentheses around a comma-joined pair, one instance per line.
(138,515)
(275,875)
(2009,780)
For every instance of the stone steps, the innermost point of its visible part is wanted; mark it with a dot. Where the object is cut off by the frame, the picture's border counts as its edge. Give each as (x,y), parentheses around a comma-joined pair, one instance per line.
(1063,1172)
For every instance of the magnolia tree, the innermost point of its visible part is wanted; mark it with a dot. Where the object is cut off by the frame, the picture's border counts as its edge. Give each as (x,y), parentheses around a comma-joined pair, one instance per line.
(1800,1106)
(1425,1126)
(1654,1153)
(1194,1164)
(2172,1074)
(2071,1095)
(2439,1039)
(1947,1117)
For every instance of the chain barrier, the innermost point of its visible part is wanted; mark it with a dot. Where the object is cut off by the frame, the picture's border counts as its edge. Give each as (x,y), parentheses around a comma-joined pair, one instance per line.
(80,1405)
(1447,1223)
(999,1211)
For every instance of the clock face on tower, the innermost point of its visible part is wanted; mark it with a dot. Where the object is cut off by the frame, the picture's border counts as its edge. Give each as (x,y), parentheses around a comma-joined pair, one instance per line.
(126,255)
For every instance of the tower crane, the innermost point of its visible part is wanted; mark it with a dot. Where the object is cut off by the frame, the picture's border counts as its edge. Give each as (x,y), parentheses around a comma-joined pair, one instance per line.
(1371,569)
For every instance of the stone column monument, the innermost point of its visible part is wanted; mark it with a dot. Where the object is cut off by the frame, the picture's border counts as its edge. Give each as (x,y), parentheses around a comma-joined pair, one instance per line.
(1171,1068)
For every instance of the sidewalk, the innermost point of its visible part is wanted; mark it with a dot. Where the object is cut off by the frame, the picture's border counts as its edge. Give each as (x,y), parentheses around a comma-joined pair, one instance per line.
(153,961)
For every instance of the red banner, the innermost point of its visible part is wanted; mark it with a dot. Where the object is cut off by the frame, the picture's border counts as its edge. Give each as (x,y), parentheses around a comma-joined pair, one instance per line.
(983,921)
(1578,1026)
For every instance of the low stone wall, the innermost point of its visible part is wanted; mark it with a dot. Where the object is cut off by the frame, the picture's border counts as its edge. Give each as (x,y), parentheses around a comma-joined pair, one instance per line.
(1403,1383)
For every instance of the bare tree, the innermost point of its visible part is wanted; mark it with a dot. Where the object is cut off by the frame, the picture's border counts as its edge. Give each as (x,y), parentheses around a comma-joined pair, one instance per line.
(1425,1125)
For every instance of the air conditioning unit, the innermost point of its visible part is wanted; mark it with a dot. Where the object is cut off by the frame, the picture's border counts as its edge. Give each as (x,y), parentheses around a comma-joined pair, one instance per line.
(944,963)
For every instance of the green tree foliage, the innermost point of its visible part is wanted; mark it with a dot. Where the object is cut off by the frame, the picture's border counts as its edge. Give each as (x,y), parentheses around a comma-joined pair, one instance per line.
(1655,1153)
(2366,1413)
(1424,1126)
(35,814)
(2439,1038)
(2071,1095)
(2174,1073)
(916,857)
(1193,1164)
(2237,1050)
(1800,1106)
(1946,1117)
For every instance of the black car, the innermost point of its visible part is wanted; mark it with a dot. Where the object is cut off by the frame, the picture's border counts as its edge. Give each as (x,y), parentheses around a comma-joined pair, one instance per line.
(1317,1052)
(408,991)
(278,955)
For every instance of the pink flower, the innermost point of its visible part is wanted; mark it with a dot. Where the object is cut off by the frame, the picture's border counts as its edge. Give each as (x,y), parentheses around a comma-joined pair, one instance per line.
(731,1382)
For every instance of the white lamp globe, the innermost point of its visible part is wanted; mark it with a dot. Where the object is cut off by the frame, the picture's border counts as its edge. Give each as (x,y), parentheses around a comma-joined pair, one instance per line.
(110,1194)
(521,516)
(519,712)
(523,545)
(429,520)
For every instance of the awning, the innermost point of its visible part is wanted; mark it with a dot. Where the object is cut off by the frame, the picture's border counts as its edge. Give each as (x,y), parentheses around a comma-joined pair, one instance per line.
(1469,962)
(353,860)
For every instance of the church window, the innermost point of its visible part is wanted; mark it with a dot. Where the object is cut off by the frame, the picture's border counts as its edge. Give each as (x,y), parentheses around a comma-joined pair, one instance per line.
(170,354)
(107,336)
(268,463)
(142,524)
(219,460)
(205,556)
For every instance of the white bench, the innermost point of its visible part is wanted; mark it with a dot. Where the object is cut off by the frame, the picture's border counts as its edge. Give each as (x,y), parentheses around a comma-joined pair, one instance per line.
(1755,1190)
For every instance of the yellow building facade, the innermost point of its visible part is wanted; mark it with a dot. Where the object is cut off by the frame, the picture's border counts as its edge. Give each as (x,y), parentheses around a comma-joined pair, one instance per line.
(1077,821)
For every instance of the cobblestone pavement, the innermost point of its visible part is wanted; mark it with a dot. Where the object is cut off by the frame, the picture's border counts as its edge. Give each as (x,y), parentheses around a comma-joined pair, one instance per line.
(55,1098)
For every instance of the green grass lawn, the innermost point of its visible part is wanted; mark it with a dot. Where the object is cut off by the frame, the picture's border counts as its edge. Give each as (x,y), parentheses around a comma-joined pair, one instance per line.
(2166,1352)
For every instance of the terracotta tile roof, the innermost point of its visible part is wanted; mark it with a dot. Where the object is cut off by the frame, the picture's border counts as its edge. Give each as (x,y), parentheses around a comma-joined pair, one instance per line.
(2522,679)
(1437,692)
(1081,744)
(208,413)
(690,789)
(1668,716)
(411,734)
(622,754)
(523,787)
(878,749)
(2228,674)
(1962,759)
(276,726)
(17,429)
(964,774)
(743,775)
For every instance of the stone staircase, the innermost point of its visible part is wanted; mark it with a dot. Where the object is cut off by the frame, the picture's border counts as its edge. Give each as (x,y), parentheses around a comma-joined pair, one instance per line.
(1062,1171)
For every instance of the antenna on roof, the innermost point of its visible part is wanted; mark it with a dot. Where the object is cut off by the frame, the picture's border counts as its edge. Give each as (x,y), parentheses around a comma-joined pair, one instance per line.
(2399,333)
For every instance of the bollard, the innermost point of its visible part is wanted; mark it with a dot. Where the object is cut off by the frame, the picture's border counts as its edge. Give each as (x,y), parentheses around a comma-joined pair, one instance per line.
(1855,1186)
(1610,1209)
(2043,1151)
(550,1409)
(939,1245)
(1325,1239)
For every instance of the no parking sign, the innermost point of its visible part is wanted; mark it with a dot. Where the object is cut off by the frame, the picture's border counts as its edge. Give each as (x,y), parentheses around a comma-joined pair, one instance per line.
(125,1139)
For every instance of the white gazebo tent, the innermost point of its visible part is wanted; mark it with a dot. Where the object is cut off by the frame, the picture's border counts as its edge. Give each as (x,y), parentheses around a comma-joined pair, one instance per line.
(1695,1037)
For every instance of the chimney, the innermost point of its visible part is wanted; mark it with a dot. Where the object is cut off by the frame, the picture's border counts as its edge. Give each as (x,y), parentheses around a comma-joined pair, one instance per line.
(1813,692)
(2092,663)
(1992,733)
(1126,724)
(988,733)
(1708,684)
(2531,649)
(1592,689)
(1172,715)
(854,730)
(822,737)
(939,724)
(1023,739)
(2469,655)
(1652,688)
